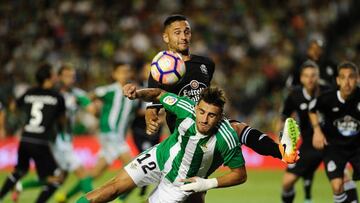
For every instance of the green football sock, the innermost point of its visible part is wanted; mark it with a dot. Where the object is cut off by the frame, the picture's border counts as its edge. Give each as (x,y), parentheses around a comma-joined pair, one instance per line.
(86,184)
(73,190)
(31,183)
(83,200)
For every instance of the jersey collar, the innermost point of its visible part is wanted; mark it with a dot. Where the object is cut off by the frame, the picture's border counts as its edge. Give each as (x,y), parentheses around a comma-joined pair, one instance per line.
(306,94)
(342,100)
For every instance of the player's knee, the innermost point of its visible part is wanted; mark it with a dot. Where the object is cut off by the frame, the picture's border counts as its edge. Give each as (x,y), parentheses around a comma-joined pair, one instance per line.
(337,186)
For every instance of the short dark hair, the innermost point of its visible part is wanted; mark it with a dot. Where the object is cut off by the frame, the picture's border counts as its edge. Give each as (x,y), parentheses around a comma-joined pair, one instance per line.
(172,18)
(348,64)
(309,64)
(214,96)
(65,66)
(118,64)
(43,72)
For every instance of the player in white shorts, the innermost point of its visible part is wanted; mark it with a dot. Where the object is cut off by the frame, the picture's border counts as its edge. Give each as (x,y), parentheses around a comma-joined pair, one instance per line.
(202,141)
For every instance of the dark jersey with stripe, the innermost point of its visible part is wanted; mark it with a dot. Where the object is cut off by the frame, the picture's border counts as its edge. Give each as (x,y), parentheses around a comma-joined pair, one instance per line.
(341,117)
(42,108)
(199,73)
(298,101)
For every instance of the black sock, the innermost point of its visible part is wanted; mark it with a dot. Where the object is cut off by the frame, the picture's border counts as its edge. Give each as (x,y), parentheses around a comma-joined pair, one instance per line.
(259,142)
(288,196)
(10,183)
(47,190)
(307,188)
(341,198)
(350,190)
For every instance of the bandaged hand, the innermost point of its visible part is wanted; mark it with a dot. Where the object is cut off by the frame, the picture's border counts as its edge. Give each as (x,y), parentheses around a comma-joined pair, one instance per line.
(198,184)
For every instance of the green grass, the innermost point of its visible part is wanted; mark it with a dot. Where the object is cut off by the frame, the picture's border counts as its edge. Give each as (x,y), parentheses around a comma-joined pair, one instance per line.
(261,186)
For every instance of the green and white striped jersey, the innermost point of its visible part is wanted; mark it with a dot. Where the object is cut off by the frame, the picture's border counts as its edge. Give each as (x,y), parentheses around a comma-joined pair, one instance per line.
(117,110)
(75,99)
(186,152)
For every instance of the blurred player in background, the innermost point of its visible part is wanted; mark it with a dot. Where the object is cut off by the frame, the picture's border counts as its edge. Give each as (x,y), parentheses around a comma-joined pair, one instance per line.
(2,121)
(116,116)
(44,108)
(75,99)
(138,127)
(202,141)
(298,101)
(315,52)
(339,134)
(199,73)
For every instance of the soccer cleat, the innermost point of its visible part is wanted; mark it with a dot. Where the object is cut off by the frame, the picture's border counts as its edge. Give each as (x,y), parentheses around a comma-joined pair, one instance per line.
(288,158)
(289,140)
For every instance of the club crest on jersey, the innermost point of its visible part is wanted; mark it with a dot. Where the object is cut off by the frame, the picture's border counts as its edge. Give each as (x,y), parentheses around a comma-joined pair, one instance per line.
(170,100)
(203,69)
(194,84)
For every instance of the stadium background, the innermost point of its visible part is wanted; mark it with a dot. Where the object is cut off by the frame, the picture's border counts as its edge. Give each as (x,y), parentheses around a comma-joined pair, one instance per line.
(255,44)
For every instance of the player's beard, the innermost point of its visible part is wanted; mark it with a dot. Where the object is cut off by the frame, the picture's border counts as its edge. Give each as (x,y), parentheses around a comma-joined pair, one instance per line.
(185,52)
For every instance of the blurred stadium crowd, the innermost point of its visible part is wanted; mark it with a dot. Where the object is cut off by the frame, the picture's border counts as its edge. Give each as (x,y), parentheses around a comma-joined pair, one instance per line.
(255,44)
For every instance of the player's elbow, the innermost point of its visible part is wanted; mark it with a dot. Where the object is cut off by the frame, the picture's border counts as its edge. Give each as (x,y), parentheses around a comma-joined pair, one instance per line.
(241,176)
(242,179)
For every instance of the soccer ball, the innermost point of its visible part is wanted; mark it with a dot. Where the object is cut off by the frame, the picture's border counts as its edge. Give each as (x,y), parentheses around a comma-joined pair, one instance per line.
(167,67)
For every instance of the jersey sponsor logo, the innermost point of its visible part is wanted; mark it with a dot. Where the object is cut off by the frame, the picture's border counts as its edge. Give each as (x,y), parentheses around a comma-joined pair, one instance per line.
(358,106)
(203,69)
(193,90)
(331,166)
(303,106)
(335,109)
(347,126)
(170,100)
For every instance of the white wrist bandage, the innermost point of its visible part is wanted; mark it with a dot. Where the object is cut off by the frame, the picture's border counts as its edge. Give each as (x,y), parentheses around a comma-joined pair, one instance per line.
(200,185)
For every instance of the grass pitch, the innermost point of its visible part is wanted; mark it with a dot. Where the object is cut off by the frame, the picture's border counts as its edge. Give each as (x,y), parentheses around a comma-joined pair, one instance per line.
(262,186)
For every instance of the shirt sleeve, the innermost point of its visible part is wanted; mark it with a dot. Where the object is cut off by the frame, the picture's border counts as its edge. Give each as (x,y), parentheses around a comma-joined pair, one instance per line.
(233,158)
(229,147)
(179,106)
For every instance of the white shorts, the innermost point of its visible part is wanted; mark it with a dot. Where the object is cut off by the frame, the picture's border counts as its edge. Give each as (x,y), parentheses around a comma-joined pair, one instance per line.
(112,146)
(144,170)
(167,192)
(64,154)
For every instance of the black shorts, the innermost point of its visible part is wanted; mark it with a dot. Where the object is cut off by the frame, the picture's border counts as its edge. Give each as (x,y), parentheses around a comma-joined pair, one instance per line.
(336,158)
(41,154)
(309,161)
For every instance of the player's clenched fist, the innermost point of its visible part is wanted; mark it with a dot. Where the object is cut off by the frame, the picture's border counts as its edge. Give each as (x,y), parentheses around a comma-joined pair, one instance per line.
(130,91)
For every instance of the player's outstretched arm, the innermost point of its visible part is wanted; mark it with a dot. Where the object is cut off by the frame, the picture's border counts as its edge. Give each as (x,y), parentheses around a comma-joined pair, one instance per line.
(147,94)
(235,177)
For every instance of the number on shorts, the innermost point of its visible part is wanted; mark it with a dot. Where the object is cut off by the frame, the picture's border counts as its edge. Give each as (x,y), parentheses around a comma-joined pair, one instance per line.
(149,166)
